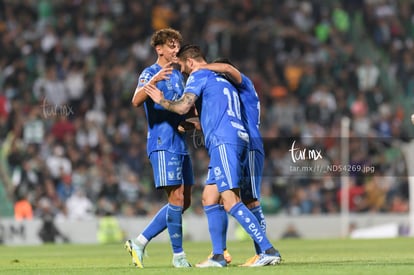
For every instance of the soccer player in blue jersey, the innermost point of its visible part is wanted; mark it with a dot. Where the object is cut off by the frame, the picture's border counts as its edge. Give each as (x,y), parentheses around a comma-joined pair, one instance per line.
(227,142)
(166,149)
(250,105)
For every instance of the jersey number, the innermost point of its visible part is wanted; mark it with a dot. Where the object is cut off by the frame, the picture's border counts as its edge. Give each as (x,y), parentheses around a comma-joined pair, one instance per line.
(233,103)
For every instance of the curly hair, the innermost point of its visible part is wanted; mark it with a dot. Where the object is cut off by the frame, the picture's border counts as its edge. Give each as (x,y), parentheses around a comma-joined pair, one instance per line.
(162,36)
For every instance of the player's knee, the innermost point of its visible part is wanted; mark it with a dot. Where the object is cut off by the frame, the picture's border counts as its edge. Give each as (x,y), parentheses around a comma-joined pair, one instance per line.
(176,199)
(229,202)
(228,205)
(206,200)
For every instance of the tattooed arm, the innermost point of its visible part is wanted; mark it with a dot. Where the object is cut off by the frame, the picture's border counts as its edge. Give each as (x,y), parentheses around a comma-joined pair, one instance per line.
(181,106)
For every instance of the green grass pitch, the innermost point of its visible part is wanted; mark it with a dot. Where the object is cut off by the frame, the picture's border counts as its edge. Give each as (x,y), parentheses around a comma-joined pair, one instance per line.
(377,256)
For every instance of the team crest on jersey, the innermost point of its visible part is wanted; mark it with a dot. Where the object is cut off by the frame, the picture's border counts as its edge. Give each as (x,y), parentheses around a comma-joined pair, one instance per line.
(217,171)
(170,175)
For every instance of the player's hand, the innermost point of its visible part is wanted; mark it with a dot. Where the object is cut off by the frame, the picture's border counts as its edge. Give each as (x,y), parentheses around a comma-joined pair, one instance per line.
(154,93)
(185,126)
(195,121)
(189,124)
(412,118)
(181,129)
(163,74)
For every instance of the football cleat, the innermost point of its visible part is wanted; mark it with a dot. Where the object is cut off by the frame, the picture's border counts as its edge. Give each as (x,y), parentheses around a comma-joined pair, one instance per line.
(226,254)
(267,259)
(136,253)
(250,260)
(180,261)
(212,263)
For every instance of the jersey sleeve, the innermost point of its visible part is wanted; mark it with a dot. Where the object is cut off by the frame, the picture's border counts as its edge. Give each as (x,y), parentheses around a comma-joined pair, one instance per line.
(145,77)
(244,84)
(195,82)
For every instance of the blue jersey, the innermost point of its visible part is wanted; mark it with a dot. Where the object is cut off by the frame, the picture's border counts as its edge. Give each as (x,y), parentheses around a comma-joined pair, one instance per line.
(251,112)
(220,114)
(162,124)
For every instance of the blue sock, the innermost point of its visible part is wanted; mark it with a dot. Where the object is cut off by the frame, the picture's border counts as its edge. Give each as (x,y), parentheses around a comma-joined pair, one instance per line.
(258,213)
(225,225)
(175,227)
(250,224)
(216,225)
(157,224)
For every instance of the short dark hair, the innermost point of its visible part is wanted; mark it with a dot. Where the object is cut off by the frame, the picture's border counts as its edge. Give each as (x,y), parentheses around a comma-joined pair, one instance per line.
(190,51)
(223,60)
(162,36)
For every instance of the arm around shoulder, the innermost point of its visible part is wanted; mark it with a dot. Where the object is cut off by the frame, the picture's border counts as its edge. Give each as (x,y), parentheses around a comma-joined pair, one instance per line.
(227,69)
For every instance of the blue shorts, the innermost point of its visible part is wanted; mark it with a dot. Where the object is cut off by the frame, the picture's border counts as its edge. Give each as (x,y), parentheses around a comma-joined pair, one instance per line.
(171,169)
(250,188)
(228,166)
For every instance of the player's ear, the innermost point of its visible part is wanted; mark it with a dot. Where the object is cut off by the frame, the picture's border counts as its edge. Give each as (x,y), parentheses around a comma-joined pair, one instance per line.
(158,49)
(190,62)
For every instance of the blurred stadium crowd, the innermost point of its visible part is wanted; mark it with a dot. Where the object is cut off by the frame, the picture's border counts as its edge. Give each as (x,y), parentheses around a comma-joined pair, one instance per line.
(73,146)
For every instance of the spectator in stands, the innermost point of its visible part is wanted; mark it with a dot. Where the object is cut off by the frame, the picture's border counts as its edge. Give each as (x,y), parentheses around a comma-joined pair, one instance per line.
(79,207)
(50,89)
(64,51)
(368,75)
(23,209)
(64,187)
(58,164)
